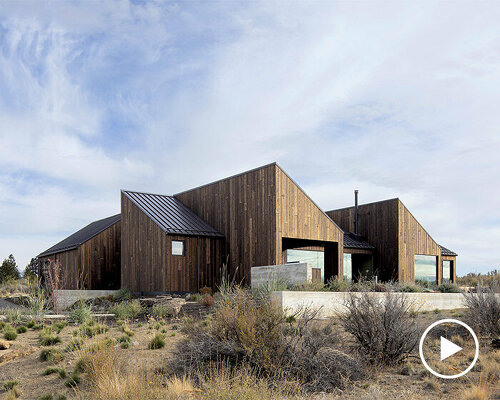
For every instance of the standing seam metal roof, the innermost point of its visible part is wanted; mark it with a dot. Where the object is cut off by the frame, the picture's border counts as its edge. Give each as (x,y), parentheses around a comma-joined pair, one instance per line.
(171,215)
(82,236)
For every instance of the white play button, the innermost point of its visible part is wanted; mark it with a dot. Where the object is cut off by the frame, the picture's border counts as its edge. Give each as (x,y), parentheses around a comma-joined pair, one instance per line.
(448,348)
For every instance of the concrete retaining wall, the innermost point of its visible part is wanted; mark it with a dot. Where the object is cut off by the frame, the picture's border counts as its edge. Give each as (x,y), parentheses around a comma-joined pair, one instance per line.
(67,298)
(294,273)
(331,303)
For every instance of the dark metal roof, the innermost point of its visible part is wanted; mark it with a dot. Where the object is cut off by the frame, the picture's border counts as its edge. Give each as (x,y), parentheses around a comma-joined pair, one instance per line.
(171,215)
(353,241)
(83,235)
(447,252)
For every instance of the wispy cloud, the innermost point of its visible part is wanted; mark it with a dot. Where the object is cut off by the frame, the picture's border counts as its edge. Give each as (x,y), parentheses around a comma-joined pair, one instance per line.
(396,99)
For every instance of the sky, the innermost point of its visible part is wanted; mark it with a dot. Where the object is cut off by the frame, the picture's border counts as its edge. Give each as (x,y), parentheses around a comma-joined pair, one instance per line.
(396,99)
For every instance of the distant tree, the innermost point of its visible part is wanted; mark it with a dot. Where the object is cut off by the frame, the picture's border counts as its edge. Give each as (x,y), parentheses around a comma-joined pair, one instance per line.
(8,269)
(31,270)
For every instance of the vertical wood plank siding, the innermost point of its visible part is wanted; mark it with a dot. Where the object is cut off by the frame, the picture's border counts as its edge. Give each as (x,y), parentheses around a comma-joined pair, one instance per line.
(413,239)
(147,261)
(396,235)
(255,210)
(95,264)
(243,209)
(298,217)
(378,222)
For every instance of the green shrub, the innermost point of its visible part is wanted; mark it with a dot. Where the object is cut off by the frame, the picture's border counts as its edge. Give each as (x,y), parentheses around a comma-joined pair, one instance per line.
(76,343)
(158,342)
(53,370)
(72,381)
(409,288)
(122,295)
(31,324)
(449,287)
(9,385)
(126,330)
(90,329)
(9,333)
(124,339)
(52,355)
(21,329)
(51,397)
(60,326)
(336,285)
(162,311)
(47,338)
(80,313)
(127,310)
(125,345)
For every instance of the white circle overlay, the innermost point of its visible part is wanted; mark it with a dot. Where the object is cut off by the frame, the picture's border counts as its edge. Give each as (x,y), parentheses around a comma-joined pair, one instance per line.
(444,321)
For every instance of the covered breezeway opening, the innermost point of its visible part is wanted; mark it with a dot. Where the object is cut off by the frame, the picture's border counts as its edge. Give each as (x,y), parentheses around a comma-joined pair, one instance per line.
(358,265)
(323,256)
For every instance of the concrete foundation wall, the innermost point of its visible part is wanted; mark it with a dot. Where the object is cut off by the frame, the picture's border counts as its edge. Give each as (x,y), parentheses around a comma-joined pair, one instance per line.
(331,303)
(67,298)
(293,273)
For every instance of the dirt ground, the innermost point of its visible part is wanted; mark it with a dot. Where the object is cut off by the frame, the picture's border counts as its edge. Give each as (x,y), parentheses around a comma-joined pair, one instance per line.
(409,381)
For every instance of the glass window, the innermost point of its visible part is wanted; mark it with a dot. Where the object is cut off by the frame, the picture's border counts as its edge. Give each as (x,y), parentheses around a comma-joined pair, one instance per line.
(315,258)
(446,271)
(177,248)
(348,267)
(425,268)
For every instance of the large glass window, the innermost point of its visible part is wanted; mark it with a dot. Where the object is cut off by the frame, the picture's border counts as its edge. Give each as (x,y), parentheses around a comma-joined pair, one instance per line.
(425,268)
(446,271)
(315,258)
(348,267)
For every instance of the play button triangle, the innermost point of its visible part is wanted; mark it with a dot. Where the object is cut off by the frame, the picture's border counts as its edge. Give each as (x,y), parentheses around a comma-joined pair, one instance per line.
(448,348)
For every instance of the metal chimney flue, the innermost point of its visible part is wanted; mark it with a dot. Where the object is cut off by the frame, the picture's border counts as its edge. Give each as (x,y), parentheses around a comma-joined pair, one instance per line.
(356,212)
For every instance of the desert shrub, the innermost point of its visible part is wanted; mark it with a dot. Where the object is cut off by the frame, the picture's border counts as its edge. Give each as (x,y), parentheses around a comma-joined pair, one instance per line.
(252,332)
(127,310)
(483,310)
(124,328)
(491,278)
(51,397)
(162,311)
(207,301)
(76,343)
(449,287)
(51,370)
(157,342)
(90,329)
(409,288)
(205,290)
(80,312)
(60,326)
(382,327)
(72,381)
(122,295)
(37,300)
(9,333)
(21,329)
(47,338)
(337,285)
(124,339)
(31,324)
(9,385)
(52,355)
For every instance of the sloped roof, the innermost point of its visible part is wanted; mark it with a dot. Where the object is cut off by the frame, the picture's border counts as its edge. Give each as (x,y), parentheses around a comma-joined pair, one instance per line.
(353,241)
(83,235)
(171,215)
(447,252)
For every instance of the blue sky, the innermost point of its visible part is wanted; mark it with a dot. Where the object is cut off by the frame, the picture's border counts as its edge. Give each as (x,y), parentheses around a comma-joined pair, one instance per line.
(396,99)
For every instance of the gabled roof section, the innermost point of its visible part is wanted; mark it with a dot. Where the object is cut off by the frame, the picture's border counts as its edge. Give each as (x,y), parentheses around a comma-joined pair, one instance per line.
(171,215)
(82,236)
(353,241)
(447,252)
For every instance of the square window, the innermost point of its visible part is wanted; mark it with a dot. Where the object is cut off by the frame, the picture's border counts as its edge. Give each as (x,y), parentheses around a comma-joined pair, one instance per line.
(177,248)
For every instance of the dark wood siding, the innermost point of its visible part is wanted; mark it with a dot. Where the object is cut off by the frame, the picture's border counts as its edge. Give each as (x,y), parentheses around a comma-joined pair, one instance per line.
(413,240)
(147,261)
(243,209)
(378,222)
(298,217)
(100,259)
(94,265)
